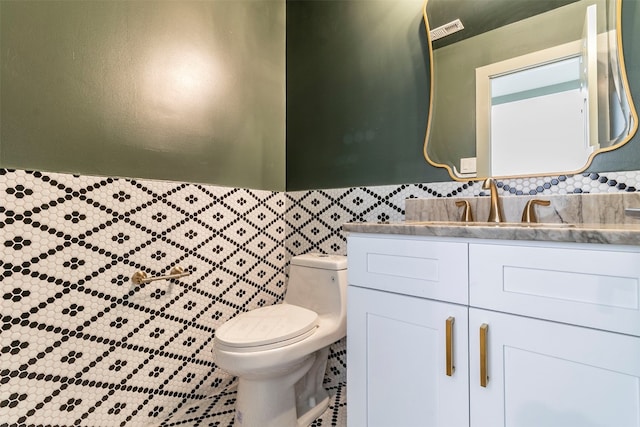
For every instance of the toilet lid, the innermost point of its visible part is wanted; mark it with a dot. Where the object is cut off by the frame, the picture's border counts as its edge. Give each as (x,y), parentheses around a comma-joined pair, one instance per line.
(267,325)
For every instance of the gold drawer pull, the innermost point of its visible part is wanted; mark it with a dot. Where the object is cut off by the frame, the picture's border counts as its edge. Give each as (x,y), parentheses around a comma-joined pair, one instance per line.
(484,378)
(449,351)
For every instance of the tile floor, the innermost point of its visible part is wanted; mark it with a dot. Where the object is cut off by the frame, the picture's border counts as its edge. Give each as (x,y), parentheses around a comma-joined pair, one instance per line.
(218,411)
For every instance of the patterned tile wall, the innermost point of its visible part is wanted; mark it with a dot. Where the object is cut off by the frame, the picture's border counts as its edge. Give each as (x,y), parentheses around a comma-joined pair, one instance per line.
(314,218)
(80,345)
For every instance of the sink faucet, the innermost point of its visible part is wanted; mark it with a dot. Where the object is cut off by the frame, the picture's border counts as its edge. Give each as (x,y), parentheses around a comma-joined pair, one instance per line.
(529,213)
(495,209)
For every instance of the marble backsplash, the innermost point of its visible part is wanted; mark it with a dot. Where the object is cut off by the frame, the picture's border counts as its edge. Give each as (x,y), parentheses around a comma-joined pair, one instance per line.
(607,208)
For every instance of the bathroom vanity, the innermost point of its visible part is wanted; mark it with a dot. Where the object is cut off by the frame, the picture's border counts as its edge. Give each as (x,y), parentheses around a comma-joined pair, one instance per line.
(453,325)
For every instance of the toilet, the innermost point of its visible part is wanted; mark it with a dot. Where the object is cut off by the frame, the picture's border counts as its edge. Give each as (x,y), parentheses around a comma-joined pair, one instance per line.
(279,353)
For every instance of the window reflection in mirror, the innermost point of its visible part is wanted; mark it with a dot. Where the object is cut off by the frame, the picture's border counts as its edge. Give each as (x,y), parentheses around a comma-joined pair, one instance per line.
(540,103)
(548,94)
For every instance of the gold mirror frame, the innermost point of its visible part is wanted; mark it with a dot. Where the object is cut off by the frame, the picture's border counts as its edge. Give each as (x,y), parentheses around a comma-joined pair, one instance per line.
(624,82)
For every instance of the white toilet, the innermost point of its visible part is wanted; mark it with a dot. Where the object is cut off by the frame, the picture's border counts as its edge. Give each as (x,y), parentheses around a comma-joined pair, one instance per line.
(279,352)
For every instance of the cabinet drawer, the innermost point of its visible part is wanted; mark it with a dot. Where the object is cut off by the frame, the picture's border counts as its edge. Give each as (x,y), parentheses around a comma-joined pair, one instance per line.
(580,284)
(430,269)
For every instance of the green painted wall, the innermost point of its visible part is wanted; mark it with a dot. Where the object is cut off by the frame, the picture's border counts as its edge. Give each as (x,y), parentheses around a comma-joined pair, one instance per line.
(357,85)
(178,90)
(195,91)
(357,94)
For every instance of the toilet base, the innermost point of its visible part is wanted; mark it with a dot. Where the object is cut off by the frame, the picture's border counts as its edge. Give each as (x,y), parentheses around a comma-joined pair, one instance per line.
(313,413)
(293,398)
(310,392)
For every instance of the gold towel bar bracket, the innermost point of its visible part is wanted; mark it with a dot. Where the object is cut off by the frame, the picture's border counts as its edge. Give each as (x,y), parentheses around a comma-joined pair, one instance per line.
(140,277)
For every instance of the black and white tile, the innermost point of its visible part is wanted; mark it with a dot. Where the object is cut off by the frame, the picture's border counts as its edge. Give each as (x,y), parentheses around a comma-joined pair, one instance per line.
(81,345)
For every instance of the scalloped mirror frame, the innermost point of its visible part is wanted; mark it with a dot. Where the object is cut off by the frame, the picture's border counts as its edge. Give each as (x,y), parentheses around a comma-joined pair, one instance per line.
(624,81)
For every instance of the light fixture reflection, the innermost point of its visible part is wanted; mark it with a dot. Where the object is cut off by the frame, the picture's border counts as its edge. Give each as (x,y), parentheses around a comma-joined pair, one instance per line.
(180,84)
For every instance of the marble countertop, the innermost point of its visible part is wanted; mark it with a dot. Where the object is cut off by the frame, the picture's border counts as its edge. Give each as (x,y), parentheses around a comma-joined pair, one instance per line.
(623,234)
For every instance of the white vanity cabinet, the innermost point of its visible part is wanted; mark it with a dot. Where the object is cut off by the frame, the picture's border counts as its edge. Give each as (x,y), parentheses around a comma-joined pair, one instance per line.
(550,374)
(406,299)
(397,361)
(560,340)
(562,345)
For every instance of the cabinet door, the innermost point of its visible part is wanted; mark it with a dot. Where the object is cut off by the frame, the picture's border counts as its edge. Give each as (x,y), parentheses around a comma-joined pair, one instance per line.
(542,373)
(397,357)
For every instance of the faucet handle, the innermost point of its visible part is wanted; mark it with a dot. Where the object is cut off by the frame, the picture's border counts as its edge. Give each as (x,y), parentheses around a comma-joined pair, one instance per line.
(529,213)
(467,216)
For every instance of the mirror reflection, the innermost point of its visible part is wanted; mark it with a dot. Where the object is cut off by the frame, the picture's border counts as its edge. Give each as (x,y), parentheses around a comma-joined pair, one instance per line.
(523,87)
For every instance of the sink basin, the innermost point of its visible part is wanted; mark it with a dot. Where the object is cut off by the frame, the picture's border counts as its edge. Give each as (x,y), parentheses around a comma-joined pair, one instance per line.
(491,224)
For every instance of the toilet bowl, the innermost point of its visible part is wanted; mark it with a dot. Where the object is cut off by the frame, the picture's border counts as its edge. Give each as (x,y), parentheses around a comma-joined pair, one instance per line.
(279,353)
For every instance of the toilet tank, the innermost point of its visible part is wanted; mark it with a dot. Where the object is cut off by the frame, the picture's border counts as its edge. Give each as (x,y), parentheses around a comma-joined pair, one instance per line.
(318,282)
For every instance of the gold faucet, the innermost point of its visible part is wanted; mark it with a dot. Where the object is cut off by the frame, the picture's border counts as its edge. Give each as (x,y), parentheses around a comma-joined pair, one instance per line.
(495,209)
(529,213)
(467,215)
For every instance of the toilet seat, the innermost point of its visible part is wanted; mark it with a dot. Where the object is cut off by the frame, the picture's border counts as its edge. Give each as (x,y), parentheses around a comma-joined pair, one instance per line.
(266,328)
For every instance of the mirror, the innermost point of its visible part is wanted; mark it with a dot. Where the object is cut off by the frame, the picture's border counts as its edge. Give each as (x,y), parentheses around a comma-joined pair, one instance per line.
(525,88)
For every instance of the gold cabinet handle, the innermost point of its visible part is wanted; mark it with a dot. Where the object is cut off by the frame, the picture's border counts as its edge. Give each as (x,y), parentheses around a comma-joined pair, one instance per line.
(449,350)
(484,378)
